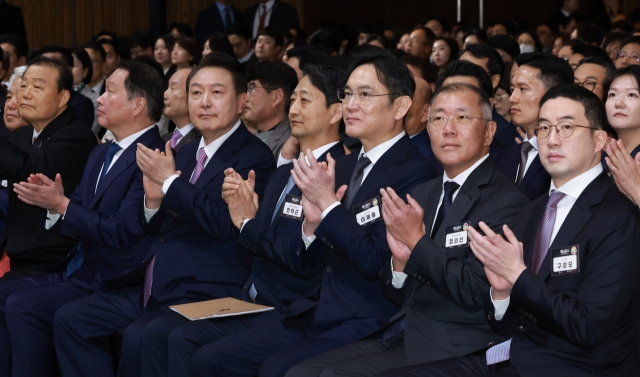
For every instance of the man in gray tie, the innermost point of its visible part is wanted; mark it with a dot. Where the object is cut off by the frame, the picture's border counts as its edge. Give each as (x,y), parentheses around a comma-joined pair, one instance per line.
(176,108)
(563,281)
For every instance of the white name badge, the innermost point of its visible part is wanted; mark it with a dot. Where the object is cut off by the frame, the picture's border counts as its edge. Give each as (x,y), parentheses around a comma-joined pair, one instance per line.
(292,207)
(456,236)
(368,212)
(565,260)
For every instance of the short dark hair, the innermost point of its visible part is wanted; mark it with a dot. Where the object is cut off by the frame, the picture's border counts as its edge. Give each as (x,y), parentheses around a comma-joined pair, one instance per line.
(219,42)
(192,47)
(428,33)
(454,48)
(96,47)
(239,30)
(275,75)
(102,33)
(66,55)
(479,33)
(597,60)
(64,81)
(590,33)
(467,69)
(612,37)
(589,50)
(326,40)
(632,39)
(427,69)
(18,42)
(631,70)
(307,54)
(85,60)
(142,39)
(273,33)
(328,79)
(505,43)
(148,60)
(483,99)
(594,109)
(495,65)
(441,20)
(112,43)
(220,60)
(505,78)
(183,29)
(554,71)
(143,81)
(392,73)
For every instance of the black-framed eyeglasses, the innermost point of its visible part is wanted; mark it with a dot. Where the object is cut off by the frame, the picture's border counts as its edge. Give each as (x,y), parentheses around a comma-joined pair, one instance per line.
(251,88)
(621,54)
(564,129)
(587,84)
(345,95)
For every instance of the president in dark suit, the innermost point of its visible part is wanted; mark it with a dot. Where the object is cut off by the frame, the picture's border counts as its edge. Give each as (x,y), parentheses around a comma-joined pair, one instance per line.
(350,249)
(433,272)
(265,236)
(192,257)
(100,214)
(562,282)
(53,143)
(521,162)
(270,13)
(217,18)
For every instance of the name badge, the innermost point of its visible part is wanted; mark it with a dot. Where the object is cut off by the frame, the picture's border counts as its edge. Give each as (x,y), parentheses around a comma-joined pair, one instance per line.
(368,212)
(565,260)
(292,207)
(456,236)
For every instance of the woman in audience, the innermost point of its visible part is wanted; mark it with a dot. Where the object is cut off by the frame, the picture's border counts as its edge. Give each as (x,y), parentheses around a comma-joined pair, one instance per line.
(445,49)
(473,36)
(82,71)
(217,42)
(503,92)
(186,53)
(559,41)
(162,53)
(629,52)
(623,114)
(528,42)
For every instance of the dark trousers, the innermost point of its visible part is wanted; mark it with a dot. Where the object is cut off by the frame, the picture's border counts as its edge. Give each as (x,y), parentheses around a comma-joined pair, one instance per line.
(363,358)
(27,308)
(83,327)
(474,365)
(268,350)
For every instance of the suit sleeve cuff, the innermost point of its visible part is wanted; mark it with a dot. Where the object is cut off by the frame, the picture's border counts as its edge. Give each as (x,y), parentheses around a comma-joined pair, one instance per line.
(282,160)
(51,220)
(167,183)
(149,213)
(500,306)
(398,278)
(307,239)
(326,211)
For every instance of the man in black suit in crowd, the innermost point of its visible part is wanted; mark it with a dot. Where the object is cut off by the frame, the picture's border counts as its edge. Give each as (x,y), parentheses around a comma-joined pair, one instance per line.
(240,38)
(217,18)
(271,13)
(176,108)
(265,236)
(11,20)
(562,281)
(533,78)
(433,273)
(53,143)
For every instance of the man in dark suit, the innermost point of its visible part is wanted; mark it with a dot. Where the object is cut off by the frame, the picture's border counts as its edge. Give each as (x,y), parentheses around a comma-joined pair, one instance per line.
(240,38)
(562,281)
(270,13)
(521,162)
(350,251)
(188,219)
(433,272)
(54,143)
(265,234)
(100,214)
(176,108)
(11,20)
(217,18)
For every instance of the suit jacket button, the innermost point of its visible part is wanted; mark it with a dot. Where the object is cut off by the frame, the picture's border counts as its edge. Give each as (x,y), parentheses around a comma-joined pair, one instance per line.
(428,283)
(411,302)
(324,239)
(298,252)
(162,239)
(491,344)
(521,328)
(328,269)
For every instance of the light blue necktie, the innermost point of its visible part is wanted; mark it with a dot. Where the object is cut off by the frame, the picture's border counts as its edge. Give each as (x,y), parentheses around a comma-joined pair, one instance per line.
(287,189)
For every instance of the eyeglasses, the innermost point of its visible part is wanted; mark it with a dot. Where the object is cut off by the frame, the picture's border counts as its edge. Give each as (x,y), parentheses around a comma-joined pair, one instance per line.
(589,84)
(622,55)
(362,98)
(460,119)
(251,88)
(565,129)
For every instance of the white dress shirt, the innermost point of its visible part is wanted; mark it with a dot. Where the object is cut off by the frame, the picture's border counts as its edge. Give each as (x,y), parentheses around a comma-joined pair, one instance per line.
(124,144)
(256,19)
(374,155)
(572,191)
(209,149)
(399,278)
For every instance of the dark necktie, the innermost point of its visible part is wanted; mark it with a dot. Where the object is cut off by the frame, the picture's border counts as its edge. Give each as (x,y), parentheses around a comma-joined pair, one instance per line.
(449,188)
(113,149)
(356,180)
(263,18)
(227,17)
(543,238)
(524,155)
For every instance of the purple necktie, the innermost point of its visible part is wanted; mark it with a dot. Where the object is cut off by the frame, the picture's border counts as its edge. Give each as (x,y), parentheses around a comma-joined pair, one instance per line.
(175,137)
(543,238)
(148,274)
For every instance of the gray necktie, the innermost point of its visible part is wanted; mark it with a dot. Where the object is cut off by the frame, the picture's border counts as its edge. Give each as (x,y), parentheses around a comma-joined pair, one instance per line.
(524,155)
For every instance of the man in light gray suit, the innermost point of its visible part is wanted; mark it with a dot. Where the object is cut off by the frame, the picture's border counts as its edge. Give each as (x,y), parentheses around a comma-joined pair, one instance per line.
(433,273)
(176,108)
(270,85)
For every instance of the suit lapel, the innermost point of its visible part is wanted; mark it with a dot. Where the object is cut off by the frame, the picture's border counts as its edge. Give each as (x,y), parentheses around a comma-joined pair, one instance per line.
(220,159)
(280,184)
(531,172)
(93,177)
(187,138)
(431,205)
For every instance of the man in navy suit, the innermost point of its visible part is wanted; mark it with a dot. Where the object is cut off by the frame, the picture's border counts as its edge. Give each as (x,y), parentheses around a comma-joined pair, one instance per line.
(192,257)
(270,13)
(100,213)
(562,282)
(217,18)
(533,78)
(265,236)
(350,250)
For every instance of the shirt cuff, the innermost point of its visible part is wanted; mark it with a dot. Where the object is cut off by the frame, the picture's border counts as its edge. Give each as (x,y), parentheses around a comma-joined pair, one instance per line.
(307,239)
(326,211)
(149,213)
(500,306)
(167,183)
(398,278)
(282,160)
(244,222)
(52,220)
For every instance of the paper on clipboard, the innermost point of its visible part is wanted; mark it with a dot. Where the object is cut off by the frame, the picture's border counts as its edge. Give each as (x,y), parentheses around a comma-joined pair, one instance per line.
(222,307)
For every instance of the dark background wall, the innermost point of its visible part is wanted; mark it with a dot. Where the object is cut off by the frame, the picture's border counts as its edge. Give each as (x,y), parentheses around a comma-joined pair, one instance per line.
(72,22)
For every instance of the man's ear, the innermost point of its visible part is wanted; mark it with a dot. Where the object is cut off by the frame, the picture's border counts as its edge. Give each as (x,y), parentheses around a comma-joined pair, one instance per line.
(425,113)
(403,104)
(336,112)
(140,106)
(278,96)
(601,139)
(64,98)
(495,80)
(242,100)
